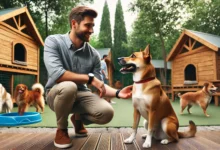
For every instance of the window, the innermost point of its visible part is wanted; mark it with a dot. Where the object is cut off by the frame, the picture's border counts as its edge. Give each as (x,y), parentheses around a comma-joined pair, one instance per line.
(19,54)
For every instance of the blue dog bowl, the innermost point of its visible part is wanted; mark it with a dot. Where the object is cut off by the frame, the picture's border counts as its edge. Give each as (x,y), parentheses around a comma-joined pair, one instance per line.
(14,119)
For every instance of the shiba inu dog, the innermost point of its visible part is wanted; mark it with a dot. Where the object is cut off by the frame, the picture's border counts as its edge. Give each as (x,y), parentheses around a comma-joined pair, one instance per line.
(202,98)
(151,102)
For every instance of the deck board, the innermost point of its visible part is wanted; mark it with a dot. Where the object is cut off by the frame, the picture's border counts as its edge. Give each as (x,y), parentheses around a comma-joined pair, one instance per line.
(105,139)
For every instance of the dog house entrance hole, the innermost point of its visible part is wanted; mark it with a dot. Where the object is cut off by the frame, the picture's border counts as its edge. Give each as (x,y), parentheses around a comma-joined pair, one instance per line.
(190,73)
(19,54)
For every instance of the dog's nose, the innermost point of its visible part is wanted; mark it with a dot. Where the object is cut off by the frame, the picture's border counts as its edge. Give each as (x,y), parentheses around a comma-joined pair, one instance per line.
(121,61)
(120,58)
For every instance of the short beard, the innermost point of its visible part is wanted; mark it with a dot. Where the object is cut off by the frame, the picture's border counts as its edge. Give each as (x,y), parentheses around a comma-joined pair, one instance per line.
(81,36)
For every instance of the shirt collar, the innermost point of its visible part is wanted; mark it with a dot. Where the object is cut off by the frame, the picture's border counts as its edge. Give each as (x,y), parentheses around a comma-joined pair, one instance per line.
(71,45)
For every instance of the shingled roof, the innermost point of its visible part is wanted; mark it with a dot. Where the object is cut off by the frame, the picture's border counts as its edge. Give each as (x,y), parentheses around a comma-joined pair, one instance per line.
(209,40)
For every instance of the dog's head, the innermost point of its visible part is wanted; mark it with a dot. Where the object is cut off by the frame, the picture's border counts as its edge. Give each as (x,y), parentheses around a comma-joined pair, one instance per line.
(210,88)
(21,89)
(136,61)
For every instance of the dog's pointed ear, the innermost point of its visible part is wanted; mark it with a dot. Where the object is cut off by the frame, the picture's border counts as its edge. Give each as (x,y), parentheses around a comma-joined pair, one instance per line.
(146,54)
(206,84)
(140,50)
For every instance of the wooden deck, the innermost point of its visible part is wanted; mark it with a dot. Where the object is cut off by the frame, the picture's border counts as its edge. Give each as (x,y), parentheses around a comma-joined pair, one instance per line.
(207,138)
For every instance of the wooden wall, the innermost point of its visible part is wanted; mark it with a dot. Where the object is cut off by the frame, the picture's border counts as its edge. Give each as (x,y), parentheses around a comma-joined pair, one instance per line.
(204,61)
(7,37)
(218,64)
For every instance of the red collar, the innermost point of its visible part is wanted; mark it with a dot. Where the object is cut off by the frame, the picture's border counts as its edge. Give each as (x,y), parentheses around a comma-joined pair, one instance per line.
(145,80)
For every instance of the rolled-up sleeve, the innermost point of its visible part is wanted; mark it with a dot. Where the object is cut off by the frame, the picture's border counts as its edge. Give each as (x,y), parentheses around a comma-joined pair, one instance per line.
(97,67)
(52,58)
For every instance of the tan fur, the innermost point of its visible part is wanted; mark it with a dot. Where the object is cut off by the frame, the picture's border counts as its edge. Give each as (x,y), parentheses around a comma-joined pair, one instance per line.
(151,102)
(6,103)
(201,98)
(24,98)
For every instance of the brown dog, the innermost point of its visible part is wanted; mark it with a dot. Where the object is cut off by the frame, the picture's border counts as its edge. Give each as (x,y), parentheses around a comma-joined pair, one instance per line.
(151,102)
(201,97)
(24,98)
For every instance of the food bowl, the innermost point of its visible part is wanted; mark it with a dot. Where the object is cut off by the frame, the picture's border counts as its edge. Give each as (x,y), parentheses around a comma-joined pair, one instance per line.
(14,119)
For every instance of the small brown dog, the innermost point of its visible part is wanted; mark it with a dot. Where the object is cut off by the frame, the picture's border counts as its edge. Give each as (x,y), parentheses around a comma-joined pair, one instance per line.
(24,98)
(201,97)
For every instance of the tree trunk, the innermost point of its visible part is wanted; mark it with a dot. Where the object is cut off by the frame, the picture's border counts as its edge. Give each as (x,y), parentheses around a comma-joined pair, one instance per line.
(164,58)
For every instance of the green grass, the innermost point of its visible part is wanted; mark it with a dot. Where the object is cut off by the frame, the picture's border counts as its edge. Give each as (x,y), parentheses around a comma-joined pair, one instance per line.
(123,116)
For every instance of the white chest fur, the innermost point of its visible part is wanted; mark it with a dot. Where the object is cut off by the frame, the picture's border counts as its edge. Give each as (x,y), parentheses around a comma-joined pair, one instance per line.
(141,100)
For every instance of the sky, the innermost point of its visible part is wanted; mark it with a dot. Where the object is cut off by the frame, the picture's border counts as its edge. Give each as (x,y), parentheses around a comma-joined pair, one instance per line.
(98,5)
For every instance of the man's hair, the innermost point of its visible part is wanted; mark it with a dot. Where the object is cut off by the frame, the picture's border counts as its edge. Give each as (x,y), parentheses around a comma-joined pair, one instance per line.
(104,56)
(78,13)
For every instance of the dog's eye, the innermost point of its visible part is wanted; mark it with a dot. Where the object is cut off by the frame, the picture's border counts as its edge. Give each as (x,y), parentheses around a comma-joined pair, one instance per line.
(133,56)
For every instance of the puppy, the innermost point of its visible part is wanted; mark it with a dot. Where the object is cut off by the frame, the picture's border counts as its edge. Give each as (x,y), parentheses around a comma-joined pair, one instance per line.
(6,103)
(24,98)
(151,102)
(202,98)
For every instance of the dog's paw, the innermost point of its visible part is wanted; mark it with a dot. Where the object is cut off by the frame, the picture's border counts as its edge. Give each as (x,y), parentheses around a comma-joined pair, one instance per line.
(128,140)
(144,136)
(165,141)
(207,115)
(147,144)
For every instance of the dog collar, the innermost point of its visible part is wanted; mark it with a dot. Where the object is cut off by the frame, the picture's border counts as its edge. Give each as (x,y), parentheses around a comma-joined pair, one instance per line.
(145,80)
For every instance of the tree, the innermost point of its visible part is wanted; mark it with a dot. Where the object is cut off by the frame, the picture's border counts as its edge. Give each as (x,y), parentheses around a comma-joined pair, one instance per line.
(205,17)
(120,40)
(158,20)
(105,34)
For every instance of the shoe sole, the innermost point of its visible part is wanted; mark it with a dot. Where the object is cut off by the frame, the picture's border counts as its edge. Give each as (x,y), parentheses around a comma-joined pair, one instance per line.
(63,145)
(81,135)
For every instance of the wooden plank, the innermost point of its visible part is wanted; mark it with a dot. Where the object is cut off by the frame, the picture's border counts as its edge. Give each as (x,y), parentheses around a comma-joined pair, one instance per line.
(29,140)
(9,144)
(202,143)
(210,135)
(116,141)
(43,141)
(126,132)
(92,142)
(104,142)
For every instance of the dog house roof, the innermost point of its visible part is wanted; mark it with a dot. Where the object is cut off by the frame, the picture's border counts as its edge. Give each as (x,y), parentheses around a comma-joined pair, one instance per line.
(209,40)
(23,13)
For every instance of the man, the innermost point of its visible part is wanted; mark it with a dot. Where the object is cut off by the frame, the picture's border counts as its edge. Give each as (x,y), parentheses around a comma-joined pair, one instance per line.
(71,64)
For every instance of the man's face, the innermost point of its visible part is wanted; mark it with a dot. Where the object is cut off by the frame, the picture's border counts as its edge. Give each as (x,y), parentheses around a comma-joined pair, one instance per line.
(84,30)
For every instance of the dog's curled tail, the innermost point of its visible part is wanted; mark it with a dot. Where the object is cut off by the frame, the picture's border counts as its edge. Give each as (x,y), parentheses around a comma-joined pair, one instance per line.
(179,95)
(190,133)
(38,86)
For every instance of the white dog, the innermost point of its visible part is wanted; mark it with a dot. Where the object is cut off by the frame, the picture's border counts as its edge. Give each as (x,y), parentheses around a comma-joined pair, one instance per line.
(6,103)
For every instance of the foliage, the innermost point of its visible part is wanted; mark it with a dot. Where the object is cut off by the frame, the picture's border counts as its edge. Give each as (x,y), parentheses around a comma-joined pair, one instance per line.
(157,25)
(105,34)
(120,41)
(205,17)
(94,41)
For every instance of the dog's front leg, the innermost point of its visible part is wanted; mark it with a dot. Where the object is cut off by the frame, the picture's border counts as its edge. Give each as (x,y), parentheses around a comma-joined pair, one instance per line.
(151,123)
(135,126)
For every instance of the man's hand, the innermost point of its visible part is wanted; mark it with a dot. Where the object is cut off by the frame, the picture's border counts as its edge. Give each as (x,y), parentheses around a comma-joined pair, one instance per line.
(99,85)
(126,92)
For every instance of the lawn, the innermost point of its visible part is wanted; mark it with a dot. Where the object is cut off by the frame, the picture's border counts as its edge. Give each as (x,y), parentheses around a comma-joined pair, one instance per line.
(123,116)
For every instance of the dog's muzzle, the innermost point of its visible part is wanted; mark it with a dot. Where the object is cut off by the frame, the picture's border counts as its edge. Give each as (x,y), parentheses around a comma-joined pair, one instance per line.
(126,67)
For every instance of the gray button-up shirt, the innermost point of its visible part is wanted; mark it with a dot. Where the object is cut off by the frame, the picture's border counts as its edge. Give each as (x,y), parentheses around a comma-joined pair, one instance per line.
(60,56)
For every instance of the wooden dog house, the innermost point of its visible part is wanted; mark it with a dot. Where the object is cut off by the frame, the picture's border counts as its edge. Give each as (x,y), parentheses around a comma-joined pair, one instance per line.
(20,44)
(195,59)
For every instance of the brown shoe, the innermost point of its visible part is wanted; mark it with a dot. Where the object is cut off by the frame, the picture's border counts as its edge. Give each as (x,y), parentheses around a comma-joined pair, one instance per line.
(80,130)
(62,139)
